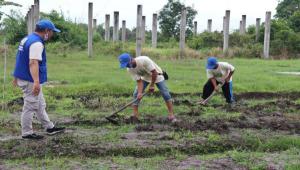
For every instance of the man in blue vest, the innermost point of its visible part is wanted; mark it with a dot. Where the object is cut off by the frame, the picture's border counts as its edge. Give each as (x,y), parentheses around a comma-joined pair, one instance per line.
(29,74)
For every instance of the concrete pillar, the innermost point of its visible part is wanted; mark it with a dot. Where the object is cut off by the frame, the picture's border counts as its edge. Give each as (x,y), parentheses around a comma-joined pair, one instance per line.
(28,22)
(143,31)
(90,29)
(123,31)
(107,27)
(138,50)
(154,31)
(195,28)
(182,33)
(257,29)
(226,31)
(267,35)
(94,26)
(116,26)
(209,25)
(243,24)
(33,18)
(37,11)
(241,27)
(224,23)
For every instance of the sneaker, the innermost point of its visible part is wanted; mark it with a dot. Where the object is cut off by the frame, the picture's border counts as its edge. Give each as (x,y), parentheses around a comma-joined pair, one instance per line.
(232,104)
(33,136)
(172,119)
(55,130)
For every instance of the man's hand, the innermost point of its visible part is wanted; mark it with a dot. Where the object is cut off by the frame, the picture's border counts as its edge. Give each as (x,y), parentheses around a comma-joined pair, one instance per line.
(151,88)
(216,88)
(15,82)
(227,79)
(140,96)
(36,88)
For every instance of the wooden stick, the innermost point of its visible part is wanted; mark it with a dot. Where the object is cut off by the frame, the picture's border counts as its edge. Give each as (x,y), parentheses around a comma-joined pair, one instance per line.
(4,74)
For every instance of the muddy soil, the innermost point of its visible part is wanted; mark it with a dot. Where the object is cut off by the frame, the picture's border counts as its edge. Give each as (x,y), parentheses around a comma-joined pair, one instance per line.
(254,117)
(268,95)
(93,98)
(151,136)
(195,163)
(91,145)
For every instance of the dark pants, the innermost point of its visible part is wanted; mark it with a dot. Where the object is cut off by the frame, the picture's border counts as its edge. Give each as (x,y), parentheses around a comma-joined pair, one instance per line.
(226,88)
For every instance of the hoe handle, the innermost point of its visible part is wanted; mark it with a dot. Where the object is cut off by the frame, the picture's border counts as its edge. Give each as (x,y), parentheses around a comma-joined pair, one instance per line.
(128,104)
(212,94)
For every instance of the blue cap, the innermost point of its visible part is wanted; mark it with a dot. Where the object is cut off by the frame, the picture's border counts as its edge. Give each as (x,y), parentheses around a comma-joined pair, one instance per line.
(124,60)
(211,62)
(47,24)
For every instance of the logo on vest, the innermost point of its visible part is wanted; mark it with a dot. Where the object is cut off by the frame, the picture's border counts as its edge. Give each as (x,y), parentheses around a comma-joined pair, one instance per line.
(22,43)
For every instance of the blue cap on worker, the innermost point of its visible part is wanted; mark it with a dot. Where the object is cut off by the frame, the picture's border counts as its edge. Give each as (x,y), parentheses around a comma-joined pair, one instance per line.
(124,60)
(47,24)
(211,62)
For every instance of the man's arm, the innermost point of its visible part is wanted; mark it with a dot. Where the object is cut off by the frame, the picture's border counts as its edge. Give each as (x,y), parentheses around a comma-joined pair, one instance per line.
(214,82)
(34,71)
(153,79)
(140,87)
(227,79)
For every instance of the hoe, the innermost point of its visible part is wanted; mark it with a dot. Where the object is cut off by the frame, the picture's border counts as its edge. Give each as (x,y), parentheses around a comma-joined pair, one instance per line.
(113,117)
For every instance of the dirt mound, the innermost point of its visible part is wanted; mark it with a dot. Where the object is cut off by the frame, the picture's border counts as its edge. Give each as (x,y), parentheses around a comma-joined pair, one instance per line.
(273,121)
(268,95)
(223,164)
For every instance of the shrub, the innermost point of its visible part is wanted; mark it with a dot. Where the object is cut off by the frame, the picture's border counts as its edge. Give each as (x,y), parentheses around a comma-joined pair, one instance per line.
(206,40)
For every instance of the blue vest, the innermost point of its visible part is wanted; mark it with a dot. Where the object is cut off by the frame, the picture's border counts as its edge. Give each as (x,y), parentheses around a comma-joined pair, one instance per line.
(22,70)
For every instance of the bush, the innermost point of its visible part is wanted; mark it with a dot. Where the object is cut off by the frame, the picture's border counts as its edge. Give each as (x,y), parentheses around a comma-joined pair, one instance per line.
(248,51)
(74,34)
(206,40)
(172,43)
(237,40)
(286,43)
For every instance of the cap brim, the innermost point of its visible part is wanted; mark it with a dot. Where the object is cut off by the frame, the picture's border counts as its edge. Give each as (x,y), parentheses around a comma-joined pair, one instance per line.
(123,65)
(210,66)
(56,30)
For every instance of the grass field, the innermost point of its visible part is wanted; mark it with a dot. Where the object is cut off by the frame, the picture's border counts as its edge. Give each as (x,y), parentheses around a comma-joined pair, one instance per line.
(260,132)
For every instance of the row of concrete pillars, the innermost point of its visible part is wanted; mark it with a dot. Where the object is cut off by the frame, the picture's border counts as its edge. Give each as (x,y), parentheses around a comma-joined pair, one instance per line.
(140,29)
(242,29)
(32,16)
(209,26)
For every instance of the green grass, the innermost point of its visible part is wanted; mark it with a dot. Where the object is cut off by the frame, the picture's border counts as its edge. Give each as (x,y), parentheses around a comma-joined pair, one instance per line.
(102,74)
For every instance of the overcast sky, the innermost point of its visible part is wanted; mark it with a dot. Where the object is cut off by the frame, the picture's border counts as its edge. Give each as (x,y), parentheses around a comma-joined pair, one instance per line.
(207,9)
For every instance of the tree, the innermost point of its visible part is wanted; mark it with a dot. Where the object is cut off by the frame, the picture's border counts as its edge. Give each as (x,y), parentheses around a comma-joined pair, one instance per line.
(14,27)
(7,3)
(286,8)
(72,33)
(294,21)
(170,16)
